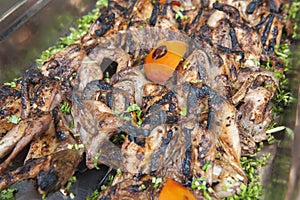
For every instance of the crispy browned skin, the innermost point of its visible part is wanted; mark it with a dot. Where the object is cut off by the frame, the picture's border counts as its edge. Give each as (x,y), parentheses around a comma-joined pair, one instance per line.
(217,87)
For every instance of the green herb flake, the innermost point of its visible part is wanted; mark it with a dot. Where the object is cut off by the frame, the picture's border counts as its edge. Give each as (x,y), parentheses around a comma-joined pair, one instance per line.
(186,64)
(94,195)
(78,146)
(65,108)
(8,194)
(255,62)
(110,179)
(11,84)
(206,195)
(254,189)
(103,187)
(180,14)
(206,166)
(293,14)
(71,180)
(156,181)
(119,172)
(143,187)
(135,108)
(97,155)
(183,112)
(14,119)
(44,196)
(102,3)
(72,196)
(199,183)
(72,125)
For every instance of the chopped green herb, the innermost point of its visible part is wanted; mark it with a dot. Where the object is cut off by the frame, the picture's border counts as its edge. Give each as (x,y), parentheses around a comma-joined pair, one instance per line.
(143,186)
(293,14)
(132,108)
(65,108)
(119,172)
(118,138)
(8,194)
(180,14)
(156,182)
(110,179)
(256,62)
(206,195)
(186,64)
(183,112)
(254,189)
(17,79)
(97,155)
(72,125)
(14,119)
(94,195)
(269,66)
(199,183)
(72,196)
(135,108)
(102,3)
(78,146)
(11,84)
(107,79)
(206,166)
(71,180)
(125,117)
(103,187)
(271,139)
(44,196)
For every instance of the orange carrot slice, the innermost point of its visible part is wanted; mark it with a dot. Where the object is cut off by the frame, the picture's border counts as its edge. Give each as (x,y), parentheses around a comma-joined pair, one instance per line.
(175,191)
(162,61)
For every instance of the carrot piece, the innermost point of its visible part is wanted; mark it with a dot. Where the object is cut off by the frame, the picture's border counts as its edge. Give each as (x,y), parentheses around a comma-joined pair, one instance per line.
(175,191)
(162,61)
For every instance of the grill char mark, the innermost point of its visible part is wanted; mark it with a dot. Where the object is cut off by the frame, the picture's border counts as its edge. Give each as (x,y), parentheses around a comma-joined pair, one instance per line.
(267,29)
(252,6)
(186,163)
(234,41)
(229,10)
(154,14)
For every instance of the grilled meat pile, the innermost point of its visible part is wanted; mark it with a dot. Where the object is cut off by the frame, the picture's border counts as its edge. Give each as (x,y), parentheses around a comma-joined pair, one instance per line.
(193,123)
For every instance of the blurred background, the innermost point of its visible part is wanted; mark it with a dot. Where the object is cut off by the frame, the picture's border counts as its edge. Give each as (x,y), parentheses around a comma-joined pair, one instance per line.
(27,27)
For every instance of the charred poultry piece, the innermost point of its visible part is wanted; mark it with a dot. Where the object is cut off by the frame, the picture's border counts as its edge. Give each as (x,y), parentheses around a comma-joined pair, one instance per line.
(177,78)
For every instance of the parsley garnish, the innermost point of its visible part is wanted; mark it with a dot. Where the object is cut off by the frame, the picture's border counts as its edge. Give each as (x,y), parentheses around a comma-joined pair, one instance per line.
(156,182)
(11,84)
(135,108)
(65,108)
(14,119)
(8,194)
(183,112)
(97,155)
